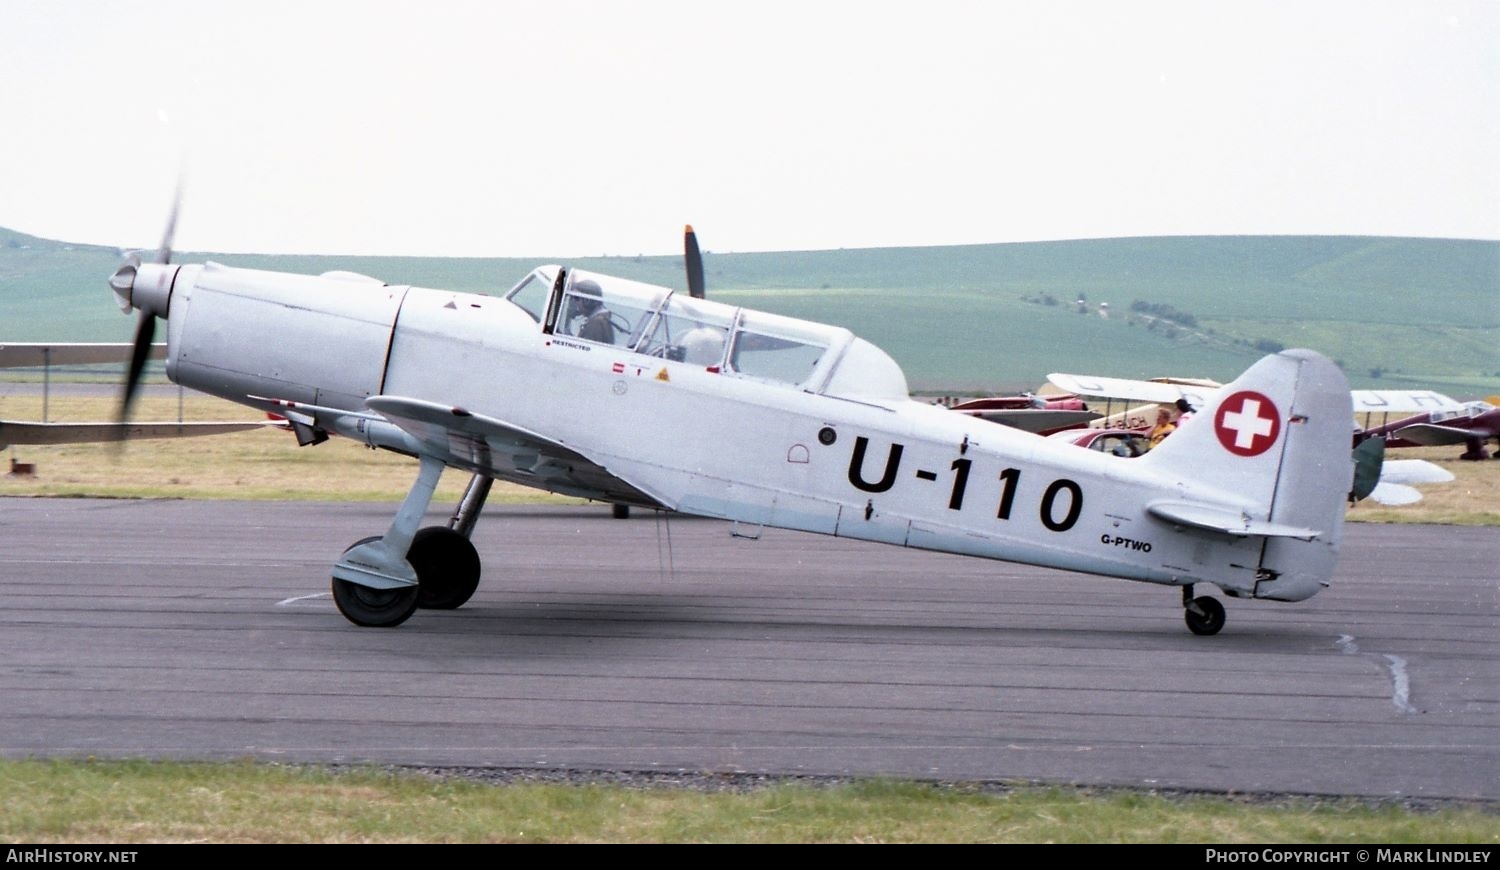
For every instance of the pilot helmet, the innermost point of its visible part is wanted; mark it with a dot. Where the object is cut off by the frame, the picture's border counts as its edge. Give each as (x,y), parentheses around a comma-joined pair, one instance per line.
(586,296)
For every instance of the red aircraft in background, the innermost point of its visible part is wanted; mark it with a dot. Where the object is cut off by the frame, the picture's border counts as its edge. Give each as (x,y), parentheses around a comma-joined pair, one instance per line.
(1470,424)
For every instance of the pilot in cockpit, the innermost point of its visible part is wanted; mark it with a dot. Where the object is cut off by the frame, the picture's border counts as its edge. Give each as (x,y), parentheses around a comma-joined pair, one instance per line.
(703,345)
(586,312)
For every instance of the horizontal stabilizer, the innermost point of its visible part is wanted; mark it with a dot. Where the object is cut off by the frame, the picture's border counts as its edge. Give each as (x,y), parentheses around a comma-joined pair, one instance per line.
(1228,522)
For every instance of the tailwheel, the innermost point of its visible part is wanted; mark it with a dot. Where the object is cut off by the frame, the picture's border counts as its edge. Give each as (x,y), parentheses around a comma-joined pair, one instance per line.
(1204,615)
(447,567)
(376,608)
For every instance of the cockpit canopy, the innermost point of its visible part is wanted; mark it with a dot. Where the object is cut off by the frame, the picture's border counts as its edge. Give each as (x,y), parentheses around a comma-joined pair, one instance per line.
(1468,411)
(658,322)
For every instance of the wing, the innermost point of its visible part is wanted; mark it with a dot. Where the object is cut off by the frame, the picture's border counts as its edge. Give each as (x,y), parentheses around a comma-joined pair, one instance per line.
(1400,401)
(1135,391)
(1435,435)
(86,433)
(13,355)
(507,452)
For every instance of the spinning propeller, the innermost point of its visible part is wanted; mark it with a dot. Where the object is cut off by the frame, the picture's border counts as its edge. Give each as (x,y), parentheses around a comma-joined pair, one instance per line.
(146,287)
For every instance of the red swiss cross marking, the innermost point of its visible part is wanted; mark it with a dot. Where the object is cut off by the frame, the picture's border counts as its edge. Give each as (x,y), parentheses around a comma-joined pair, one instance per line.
(1247,423)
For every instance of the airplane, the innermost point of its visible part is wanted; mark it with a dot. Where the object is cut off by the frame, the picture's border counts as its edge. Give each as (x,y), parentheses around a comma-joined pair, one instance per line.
(1470,424)
(702,408)
(46,355)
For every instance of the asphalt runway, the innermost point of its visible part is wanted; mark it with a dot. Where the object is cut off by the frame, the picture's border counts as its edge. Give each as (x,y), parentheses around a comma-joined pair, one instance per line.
(204,630)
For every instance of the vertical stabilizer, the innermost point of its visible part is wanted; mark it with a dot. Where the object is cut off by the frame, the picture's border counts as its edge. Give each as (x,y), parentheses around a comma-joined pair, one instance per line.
(1272,446)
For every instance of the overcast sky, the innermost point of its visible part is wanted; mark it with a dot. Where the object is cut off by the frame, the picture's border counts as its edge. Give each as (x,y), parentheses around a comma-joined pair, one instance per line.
(581,128)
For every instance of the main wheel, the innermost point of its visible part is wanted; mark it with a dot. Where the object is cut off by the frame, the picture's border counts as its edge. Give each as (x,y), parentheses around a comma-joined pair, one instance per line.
(447,567)
(620,511)
(1211,620)
(376,608)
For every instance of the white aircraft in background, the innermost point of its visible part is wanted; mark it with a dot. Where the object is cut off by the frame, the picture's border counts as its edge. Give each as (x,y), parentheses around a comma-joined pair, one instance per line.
(594,386)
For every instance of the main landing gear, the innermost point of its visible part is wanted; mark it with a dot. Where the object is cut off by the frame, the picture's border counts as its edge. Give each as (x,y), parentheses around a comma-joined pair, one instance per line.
(1204,615)
(381,581)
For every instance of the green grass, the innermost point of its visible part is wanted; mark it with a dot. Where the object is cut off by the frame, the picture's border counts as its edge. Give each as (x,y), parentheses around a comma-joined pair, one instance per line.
(954,316)
(67,801)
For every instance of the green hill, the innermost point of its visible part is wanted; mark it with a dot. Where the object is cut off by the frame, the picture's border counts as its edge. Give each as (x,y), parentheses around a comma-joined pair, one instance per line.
(1395,312)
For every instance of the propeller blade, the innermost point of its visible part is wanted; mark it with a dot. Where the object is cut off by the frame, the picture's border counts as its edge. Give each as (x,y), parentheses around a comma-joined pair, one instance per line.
(164,253)
(694,261)
(145,333)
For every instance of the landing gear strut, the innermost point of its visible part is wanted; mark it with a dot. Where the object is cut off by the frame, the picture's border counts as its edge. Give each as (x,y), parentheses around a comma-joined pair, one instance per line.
(1204,615)
(381,581)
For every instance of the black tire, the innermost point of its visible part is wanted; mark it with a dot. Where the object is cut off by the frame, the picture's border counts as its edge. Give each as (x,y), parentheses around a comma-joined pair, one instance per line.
(373,608)
(620,511)
(447,567)
(1212,619)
